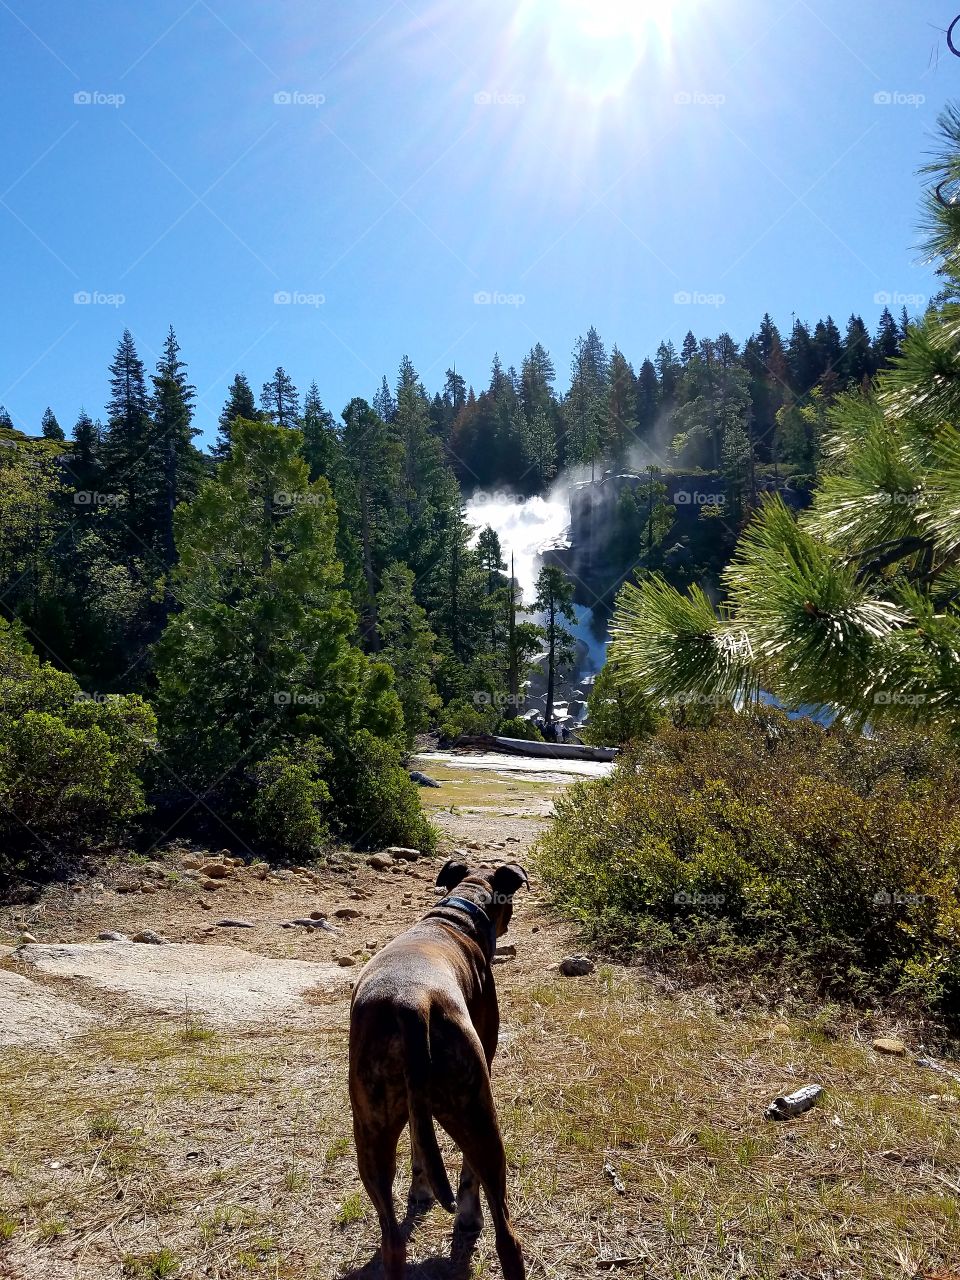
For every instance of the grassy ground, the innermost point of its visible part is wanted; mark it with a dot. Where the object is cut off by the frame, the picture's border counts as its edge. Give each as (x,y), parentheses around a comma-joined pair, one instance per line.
(157,1146)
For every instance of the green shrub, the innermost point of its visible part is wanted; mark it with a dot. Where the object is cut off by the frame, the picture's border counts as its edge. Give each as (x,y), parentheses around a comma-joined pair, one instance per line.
(776,847)
(463,717)
(68,763)
(373,801)
(520,728)
(289,811)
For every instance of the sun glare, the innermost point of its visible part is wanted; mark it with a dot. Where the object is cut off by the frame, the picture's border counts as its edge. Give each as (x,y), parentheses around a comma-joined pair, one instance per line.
(596,46)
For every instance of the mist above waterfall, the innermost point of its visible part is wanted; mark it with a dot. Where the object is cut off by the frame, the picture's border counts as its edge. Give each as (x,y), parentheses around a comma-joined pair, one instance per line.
(527,527)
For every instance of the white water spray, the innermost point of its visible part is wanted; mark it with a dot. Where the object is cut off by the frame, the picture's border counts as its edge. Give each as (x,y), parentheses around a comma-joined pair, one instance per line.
(527,527)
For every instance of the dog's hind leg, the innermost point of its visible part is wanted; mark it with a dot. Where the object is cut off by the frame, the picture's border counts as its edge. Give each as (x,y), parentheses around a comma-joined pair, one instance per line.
(421,1193)
(377,1161)
(469,1213)
(477,1134)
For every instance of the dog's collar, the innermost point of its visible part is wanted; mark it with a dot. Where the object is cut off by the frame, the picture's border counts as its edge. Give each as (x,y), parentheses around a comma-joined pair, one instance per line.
(474,911)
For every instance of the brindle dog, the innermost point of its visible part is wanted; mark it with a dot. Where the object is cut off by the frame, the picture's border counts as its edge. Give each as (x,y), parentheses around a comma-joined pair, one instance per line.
(423,1031)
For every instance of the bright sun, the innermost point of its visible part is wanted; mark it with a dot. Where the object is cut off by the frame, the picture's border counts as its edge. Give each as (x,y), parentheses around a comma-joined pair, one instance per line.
(596,46)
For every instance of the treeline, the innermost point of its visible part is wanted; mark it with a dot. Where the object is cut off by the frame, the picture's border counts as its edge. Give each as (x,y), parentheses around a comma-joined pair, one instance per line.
(713,405)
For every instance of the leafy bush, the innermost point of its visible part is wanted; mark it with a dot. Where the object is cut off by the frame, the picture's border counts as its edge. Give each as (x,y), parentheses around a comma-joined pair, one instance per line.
(775,847)
(462,717)
(68,763)
(372,797)
(520,728)
(289,812)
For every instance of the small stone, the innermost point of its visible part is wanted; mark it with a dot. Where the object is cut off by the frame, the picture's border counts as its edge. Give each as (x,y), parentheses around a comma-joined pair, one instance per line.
(26,938)
(896,1047)
(148,935)
(235,924)
(111,935)
(207,906)
(345,962)
(148,888)
(347,913)
(513,840)
(405,855)
(474,844)
(372,945)
(380,862)
(576,966)
(216,870)
(535,929)
(210,886)
(507,951)
(192,864)
(226,854)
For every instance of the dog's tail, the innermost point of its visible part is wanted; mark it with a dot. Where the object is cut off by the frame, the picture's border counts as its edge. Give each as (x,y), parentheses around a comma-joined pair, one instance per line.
(417,1069)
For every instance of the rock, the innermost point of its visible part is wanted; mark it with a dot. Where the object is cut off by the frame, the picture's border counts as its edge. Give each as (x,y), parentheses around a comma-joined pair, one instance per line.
(235,924)
(576,966)
(111,935)
(146,887)
(507,951)
(210,886)
(216,870)
(372,945)
(474,844)
(206,905)
(308,922)
(896,1047)
(404,855)
(347,913)
(226,854)
(421,779)
(318,915)
(345,962)
(192,864)
(148,935)
(794,1104)
(26,939)
(380,862)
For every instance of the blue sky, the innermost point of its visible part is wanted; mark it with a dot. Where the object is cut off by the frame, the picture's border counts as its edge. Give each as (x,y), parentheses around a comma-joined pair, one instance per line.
(383,162)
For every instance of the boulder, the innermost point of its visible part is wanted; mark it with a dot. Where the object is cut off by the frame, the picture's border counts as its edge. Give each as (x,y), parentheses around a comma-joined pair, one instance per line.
(404,855)
(576,966)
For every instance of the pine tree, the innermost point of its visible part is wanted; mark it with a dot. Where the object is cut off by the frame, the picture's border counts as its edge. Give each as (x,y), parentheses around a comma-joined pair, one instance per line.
(133,470)
(886,345)
(384,404)
(279,400)
(555,601)
(173,398)
(239,404)
(409,645)
(621,427)
(6,422)
(322,447)
(854,604)
(83,459)
(50,428)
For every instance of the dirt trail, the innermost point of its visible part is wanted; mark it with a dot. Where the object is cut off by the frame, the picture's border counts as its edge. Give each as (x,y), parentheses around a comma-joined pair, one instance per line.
(153,1125)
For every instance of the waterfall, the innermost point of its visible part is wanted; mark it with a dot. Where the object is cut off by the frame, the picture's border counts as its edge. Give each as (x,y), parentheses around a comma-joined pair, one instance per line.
(527,527)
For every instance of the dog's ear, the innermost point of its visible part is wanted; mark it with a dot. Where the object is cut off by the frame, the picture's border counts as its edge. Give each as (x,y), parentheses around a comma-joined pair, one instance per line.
(451,873)
(508,879)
